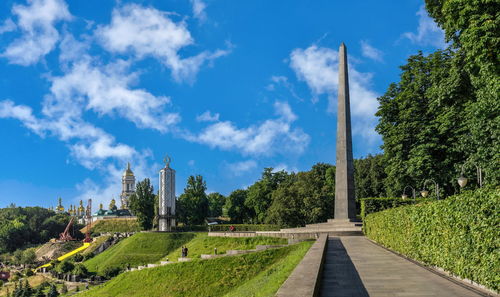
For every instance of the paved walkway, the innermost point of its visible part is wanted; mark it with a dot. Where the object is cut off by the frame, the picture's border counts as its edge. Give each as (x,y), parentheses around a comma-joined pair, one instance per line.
(354,266)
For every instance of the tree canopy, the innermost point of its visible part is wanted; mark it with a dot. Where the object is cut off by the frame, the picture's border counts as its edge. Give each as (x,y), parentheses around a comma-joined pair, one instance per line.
(142,204)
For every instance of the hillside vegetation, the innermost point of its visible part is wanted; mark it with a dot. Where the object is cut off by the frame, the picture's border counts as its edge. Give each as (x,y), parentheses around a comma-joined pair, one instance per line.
(114,225)
(139,249)
(259,273)
(459,234)
(203,244)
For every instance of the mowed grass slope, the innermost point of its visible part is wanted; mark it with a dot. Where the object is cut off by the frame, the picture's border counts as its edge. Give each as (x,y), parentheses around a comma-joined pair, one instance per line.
(259,273)
(204,244)
(139,249)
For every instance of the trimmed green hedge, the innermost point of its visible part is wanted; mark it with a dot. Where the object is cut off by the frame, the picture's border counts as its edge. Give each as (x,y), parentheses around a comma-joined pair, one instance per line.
(245,227)
(371,205)
(460,234)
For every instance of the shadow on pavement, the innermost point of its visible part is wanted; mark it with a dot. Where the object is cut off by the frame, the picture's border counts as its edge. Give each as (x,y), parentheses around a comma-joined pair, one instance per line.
(340,277)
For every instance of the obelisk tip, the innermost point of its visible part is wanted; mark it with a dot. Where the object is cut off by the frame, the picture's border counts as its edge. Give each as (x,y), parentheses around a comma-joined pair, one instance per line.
(342,45)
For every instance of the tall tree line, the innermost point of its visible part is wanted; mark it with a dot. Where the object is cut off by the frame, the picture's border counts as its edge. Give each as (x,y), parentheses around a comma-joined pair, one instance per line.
(445,109)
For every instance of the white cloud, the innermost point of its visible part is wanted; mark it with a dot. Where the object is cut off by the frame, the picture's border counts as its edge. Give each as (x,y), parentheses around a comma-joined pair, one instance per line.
(318,67)
(7,26)
(240,168)
(150,32)
(370,52)
(282,166)
(277,80)
(89,144)
(272,136)
(428,33)
(199,9)
(39,36)
(111,186)
(207,117)
(106,90)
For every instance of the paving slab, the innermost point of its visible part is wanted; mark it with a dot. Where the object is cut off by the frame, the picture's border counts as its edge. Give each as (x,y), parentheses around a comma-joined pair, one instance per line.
(354,266)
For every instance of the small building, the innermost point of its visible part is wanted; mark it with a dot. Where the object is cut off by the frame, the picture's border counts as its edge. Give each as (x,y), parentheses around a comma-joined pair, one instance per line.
(112,213)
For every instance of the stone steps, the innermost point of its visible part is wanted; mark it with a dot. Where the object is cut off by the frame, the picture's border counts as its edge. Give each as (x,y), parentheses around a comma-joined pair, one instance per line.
(337,227)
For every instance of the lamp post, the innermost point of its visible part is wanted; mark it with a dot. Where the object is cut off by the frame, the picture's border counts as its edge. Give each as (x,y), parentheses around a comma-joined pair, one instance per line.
(462,180)
(425,193)
(404,196)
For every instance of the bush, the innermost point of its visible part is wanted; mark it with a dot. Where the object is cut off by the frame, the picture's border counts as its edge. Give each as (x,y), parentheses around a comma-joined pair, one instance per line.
(371,205)
(459,234)
(245,227)
(28,272)
(65,266)
(111,271)
(80,270)
(78,258)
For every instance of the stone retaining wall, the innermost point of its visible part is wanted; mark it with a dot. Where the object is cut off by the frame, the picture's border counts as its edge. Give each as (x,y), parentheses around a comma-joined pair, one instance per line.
(305,278)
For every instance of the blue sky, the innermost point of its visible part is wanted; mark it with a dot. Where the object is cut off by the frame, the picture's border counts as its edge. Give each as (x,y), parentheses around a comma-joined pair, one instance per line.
(224,87)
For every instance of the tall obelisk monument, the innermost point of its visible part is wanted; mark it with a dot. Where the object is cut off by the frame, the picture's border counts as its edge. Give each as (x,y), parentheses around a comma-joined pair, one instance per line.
(345,207)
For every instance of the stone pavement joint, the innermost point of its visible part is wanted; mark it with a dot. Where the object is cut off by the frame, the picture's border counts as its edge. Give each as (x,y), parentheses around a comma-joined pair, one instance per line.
(354,266)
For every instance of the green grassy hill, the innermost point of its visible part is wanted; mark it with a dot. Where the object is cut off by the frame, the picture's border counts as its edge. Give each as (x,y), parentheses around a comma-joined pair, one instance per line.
(114,225)
(139,249)
(203,244)
(257,274)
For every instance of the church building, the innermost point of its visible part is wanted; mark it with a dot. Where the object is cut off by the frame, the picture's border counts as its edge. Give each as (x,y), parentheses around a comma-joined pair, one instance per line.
(128,187)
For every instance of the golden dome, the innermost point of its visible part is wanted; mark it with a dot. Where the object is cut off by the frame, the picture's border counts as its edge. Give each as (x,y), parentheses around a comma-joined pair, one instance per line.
(128,171)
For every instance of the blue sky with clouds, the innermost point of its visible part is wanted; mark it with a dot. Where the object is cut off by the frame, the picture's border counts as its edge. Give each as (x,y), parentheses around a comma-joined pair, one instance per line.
(224,87)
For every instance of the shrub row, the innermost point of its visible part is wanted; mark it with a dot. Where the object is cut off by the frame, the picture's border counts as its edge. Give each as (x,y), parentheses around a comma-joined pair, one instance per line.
(460,234)
(245,227)
(371,205)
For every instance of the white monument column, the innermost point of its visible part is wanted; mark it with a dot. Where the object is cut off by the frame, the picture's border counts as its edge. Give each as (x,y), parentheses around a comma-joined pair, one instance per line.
(166,197)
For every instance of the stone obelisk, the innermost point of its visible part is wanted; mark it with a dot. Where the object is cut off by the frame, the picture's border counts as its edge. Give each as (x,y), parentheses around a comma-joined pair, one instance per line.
(345,207)
(166,201)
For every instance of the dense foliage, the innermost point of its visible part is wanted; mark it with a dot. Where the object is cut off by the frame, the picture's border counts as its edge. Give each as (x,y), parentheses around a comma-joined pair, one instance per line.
(371,205)
(192,206)
(142,204)
(216,203)
(459,234)
(21,227)
(445,109)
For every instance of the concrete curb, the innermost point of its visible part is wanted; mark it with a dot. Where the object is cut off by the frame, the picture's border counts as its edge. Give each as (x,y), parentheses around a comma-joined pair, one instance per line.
(305,278)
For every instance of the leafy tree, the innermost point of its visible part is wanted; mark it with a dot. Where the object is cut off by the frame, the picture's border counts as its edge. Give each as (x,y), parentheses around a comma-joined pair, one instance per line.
(29,225)
(303,198)
(369,176)
(216,202)
(236,208)
(260,194)
(52,291)
(421,123)
(193,203)
(65,266)
(80,270)
(142,204)
(445,110)
(28,256)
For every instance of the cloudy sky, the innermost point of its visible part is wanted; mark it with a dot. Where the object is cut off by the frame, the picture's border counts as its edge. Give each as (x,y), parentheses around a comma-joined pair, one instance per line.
(225,87)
